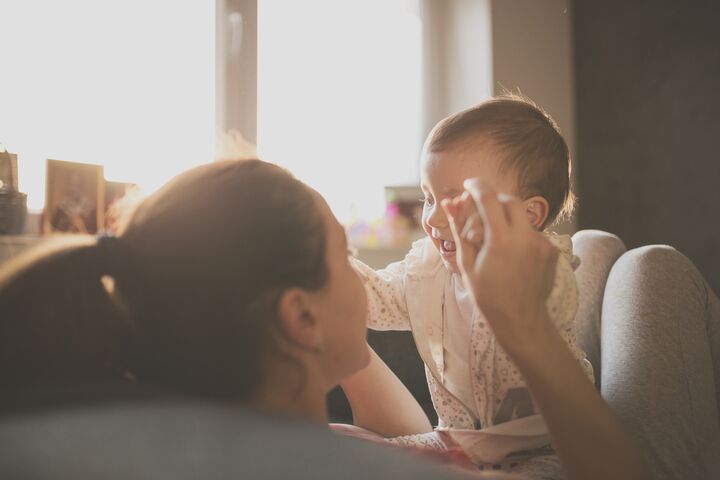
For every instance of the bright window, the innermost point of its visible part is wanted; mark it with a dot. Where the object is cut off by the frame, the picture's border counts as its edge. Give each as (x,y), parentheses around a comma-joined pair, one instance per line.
(127,84)
(339,96)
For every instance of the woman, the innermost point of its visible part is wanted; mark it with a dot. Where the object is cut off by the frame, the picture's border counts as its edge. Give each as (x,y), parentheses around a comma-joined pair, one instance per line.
(207,290)
(233,281)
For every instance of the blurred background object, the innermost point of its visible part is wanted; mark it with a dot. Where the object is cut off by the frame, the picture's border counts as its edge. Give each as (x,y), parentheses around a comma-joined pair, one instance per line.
(13,204)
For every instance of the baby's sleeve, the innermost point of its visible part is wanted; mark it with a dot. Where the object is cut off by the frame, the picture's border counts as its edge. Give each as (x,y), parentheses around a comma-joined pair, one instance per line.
(562,306)
(387,307)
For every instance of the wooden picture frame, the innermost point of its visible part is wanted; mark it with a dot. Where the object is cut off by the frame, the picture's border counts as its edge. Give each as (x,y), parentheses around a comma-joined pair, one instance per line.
(74,198)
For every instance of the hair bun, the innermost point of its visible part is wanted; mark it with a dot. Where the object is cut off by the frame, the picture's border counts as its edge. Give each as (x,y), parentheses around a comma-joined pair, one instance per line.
(112,254)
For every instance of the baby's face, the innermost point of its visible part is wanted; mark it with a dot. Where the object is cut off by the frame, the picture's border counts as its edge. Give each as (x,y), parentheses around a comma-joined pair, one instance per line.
(442,176)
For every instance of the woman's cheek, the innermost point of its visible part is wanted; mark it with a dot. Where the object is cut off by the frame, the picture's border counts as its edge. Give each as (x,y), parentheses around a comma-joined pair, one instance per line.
(362,302)
(361,353)
(356,298)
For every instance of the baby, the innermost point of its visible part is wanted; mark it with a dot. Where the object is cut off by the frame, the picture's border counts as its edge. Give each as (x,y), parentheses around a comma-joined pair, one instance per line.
(481,400)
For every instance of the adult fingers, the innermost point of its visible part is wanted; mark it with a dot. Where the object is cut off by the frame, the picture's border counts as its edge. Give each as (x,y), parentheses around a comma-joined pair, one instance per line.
(466,251)
(492,211)
(460,213)
(451,208)
(515,211)
(467,206)
(473,230)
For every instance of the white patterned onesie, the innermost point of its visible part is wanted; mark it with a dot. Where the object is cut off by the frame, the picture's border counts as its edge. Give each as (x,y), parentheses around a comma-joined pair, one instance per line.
(484,405)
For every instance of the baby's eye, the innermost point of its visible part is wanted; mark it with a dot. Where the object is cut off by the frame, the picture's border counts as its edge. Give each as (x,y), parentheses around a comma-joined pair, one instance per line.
(428,200)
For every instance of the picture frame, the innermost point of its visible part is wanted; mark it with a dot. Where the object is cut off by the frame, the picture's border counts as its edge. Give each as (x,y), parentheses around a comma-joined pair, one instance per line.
(74,198)
(8,170)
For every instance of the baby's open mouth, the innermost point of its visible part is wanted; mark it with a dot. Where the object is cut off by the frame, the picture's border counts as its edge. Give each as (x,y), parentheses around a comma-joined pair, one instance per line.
(447,248)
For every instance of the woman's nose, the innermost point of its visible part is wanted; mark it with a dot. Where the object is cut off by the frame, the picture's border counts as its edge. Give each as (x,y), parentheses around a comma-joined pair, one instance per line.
(358,271)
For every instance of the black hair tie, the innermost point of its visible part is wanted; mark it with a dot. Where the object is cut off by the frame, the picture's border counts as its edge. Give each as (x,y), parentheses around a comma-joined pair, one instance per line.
(112,254)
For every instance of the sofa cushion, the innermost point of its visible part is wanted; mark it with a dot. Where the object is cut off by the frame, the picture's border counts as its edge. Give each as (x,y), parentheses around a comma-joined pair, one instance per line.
(110,435)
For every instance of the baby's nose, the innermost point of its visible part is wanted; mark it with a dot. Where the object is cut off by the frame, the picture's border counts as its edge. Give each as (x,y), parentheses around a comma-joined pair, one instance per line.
(437,233)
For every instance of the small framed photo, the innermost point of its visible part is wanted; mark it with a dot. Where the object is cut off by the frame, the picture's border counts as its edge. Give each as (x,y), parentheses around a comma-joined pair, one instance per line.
(8,171)
(74,198)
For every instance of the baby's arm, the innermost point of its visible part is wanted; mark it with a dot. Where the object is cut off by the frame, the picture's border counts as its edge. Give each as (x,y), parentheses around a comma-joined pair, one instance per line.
(381,403)
(387,308)
(378,399)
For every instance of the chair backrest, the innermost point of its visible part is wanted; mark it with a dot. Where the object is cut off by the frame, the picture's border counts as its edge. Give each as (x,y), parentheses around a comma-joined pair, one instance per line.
(598,252)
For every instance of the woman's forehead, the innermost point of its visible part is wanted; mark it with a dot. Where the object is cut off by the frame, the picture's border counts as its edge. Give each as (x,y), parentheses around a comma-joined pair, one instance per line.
(332,226)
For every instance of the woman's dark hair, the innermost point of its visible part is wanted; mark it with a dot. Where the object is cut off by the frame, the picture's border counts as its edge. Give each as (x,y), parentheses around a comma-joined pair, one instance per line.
(57,322)
(197,272)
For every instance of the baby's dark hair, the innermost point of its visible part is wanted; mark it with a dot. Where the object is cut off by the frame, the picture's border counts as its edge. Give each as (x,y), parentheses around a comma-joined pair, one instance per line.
(529,141)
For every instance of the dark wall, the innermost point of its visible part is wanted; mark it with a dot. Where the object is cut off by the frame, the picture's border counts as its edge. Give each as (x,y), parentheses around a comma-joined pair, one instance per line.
(648,123)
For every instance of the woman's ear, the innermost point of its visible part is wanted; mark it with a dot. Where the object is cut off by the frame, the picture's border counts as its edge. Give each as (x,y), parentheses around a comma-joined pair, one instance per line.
(537,209)
(297,321)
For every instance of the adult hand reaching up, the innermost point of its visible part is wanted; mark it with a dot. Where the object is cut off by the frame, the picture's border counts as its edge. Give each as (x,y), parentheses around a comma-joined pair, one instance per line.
(508,265)
(509,269)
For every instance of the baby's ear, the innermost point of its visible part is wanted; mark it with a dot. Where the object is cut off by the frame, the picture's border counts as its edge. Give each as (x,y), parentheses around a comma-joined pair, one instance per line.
(537,209)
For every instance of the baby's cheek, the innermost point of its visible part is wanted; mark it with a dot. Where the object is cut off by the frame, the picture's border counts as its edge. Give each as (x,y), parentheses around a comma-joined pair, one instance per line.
(425,216)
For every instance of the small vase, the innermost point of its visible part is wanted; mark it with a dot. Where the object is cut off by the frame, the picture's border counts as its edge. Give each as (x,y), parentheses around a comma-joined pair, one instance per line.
(13,210)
